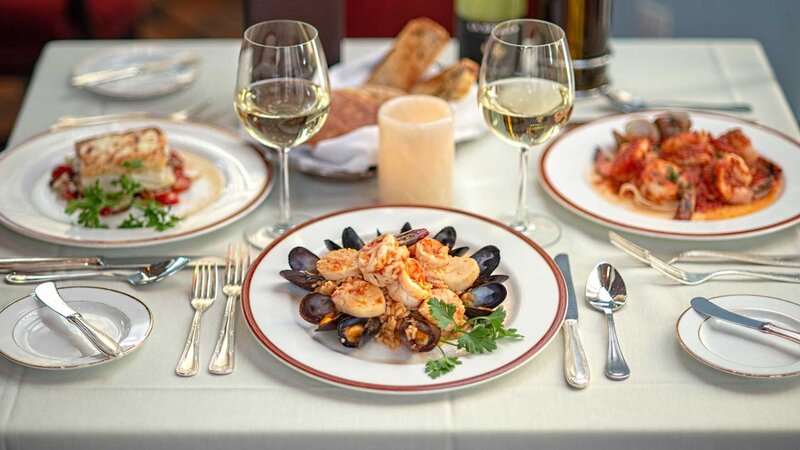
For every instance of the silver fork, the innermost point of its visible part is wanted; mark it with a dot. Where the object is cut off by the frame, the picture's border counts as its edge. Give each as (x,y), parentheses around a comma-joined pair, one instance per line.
(238,263)
(178,116)
(693,255)
(204,291)
(693,278)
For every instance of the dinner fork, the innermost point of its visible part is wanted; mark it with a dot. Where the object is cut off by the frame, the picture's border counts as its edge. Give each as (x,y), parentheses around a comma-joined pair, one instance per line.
(693,278)
(204,291)
(238,263)
(177,116)
(693,255)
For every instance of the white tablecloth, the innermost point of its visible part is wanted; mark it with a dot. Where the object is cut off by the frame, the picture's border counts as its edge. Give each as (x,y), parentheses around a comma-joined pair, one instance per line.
(670,401)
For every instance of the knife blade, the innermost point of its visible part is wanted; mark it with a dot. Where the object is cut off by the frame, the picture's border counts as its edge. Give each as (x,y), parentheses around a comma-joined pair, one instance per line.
(46,264)
(708,308)
(48,294)
(108,75)
(576,368)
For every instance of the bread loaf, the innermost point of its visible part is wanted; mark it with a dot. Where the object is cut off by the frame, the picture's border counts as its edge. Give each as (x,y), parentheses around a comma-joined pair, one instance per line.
(453,83)
(353,108)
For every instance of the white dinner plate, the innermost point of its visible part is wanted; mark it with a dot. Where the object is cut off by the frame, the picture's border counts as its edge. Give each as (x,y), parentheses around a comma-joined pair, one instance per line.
(36,336)
(567,163)
(743,351)
(536,305)
(140,86)
(30,207)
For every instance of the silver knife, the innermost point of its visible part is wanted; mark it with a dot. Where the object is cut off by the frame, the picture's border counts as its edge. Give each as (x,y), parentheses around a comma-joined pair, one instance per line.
(576,368)
(46,264)
(48,294)
(705,306)
(108,75)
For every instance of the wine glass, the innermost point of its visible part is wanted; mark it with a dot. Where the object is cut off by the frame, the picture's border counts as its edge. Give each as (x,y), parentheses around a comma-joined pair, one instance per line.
(282,99)
(526,93)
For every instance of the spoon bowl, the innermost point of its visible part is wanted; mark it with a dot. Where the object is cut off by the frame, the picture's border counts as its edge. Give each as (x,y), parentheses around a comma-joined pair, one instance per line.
(606,292)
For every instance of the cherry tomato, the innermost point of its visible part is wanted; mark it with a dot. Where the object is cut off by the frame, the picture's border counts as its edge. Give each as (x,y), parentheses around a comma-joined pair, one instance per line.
(178,171)
(105,211)
(167,198)
(67,193)
(181,184)
(61,170)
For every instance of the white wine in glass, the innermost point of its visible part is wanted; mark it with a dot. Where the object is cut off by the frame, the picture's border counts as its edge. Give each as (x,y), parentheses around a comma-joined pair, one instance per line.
(526,95)
(282,99)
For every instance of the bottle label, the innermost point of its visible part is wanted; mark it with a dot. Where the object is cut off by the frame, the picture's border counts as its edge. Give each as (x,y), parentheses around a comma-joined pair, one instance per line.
(472,37)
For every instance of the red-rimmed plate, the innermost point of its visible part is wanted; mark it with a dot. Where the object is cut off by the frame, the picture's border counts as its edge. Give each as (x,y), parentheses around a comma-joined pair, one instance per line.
(536,305)
(566,165)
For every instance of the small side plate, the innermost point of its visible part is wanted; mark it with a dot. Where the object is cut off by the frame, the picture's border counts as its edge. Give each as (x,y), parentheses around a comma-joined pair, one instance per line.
(743,351)
(37,336)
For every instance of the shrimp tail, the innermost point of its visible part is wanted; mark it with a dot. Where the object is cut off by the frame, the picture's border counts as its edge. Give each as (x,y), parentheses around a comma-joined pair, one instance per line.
(686,203)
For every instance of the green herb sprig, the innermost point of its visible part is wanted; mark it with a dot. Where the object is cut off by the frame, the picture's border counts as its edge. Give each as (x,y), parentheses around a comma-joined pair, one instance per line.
(479,335)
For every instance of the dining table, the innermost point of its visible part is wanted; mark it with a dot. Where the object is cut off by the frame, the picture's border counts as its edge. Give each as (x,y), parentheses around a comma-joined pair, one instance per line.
(670,400)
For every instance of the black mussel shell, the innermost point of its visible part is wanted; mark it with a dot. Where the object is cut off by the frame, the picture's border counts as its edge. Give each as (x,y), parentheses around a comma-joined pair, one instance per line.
(317,308)
(378,232)
(427,335)
(481,300)
(356,331)
(406,227)
(488,258)
(303,279)
(460,251)
(351,239)
(301,258)
(447,236)
(490,279)
(411,237)
(330,245)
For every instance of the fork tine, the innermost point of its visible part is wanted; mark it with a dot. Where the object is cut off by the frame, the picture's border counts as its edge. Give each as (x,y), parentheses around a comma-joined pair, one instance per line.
(216,281)
(239,262)
(228,265)
(669,270)
(195,284)
(629,247)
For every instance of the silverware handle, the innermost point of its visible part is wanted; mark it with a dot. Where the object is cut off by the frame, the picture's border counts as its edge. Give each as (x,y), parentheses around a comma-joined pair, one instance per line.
(731,107)
(616,366)
(100,340)
(31,278)
(765,260)
(190,358)
(793,336)
(56,263)
(576,368)
(70,121)
(224,358)
(785,277)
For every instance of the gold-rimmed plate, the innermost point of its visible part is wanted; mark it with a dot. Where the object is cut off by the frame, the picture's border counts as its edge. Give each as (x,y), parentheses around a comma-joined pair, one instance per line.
(739,350)
(37,336)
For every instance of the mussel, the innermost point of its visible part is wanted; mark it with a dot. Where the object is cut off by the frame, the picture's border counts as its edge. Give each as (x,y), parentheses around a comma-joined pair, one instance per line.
(490,279)
(672,123)
(406,227)
(423,334)
(460,251)
(319,309)
(447,236)
(306,280)
(411,237)
(482,300)
(356,331)
(301,258)
(488,258)
(330,245)
(351,239)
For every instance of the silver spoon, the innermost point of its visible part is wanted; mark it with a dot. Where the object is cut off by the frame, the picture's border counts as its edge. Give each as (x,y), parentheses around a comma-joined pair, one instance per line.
(147,275)
(627,102)
(606,292)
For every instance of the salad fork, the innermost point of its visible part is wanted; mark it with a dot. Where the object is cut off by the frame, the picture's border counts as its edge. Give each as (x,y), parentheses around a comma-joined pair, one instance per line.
(694,278)
(204,291)
(238,263)
(640,253)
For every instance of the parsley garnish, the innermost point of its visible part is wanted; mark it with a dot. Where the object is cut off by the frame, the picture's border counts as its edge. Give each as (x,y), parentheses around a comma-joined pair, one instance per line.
(95,199)
(671,174)
(482,337)
(132,164)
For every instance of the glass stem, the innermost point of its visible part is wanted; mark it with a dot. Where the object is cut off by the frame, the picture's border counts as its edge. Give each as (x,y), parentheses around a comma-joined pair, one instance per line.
(521,216)
(284,194)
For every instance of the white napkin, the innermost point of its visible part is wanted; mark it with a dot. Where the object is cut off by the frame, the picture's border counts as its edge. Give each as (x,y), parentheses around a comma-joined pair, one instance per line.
(356,152)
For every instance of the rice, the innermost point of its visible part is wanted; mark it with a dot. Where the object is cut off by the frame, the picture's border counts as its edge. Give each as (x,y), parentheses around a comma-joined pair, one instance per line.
(395,313)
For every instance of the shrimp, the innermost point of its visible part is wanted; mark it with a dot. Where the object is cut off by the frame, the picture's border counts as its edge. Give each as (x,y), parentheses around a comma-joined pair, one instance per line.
(660,181)
(732,179)
(359,298)
(431,253)
(629,160)
(735,141)
(447,296)
(382,260)
(411,287)
(338,264)
(691,148)
(460,273)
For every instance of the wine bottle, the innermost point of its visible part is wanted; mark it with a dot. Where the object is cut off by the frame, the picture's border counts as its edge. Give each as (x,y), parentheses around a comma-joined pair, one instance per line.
(476,18)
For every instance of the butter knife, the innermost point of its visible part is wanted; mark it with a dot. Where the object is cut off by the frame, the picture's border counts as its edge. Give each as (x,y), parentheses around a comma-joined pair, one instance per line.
(576,368)
(108,75)
(705,306)
(48,294)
